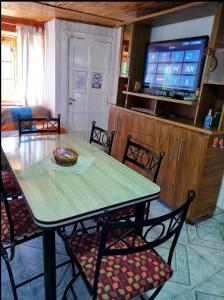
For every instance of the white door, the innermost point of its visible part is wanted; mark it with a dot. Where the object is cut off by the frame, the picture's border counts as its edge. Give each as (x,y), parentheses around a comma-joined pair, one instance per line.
(89,66)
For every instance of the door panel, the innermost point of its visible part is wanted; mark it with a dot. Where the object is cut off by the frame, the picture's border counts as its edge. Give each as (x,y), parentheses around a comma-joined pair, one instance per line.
(89,67)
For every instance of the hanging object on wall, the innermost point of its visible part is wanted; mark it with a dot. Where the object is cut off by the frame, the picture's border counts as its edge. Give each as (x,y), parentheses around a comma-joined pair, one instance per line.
(97,79)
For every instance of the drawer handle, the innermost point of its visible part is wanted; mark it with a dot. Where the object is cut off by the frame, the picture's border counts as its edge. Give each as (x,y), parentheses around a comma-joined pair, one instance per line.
(143,132)
(116,124)
(174,146)
(180,150)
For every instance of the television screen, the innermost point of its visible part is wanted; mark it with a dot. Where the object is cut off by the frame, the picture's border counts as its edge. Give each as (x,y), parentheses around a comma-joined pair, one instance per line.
(175,65)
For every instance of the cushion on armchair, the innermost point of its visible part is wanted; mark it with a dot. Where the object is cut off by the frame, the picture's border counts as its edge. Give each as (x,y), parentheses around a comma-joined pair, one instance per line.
(9,115)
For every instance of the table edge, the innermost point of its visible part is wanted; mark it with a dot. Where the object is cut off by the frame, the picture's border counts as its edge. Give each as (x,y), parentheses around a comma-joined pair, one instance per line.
(70,220)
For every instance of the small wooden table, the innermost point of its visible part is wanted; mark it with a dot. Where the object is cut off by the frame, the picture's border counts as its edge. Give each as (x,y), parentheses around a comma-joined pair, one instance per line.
(58,196)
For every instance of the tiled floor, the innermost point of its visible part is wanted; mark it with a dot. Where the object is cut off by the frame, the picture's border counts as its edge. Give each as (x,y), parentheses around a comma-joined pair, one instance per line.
(198,264)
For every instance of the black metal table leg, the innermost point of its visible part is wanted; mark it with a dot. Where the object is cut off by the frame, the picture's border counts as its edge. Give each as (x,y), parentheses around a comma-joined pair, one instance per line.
(139,215)
(49,264)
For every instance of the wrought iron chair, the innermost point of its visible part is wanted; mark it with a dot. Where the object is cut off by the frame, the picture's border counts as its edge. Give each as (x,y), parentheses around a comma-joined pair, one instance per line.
(102,137)
(11,186)
(17,227)
(145,159)
(121,262)
(39,125)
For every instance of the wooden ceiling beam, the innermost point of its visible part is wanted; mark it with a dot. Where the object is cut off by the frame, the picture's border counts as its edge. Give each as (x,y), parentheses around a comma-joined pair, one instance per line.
(163,12)
(77,11)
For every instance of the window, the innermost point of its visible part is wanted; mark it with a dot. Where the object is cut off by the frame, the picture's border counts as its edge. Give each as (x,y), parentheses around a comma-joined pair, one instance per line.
(9,95)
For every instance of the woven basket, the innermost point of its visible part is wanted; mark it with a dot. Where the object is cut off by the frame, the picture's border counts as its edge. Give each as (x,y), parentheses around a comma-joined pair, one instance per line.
(65,157)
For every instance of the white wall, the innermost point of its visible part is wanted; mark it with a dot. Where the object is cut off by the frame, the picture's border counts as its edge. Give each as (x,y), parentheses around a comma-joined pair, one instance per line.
(196,27)
(50,64)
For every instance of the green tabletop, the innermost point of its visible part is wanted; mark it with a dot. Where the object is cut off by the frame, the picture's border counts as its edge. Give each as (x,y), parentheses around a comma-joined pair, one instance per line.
(58,195)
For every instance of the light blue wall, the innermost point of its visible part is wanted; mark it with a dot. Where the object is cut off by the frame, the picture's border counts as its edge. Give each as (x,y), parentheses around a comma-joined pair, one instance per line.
(197,27)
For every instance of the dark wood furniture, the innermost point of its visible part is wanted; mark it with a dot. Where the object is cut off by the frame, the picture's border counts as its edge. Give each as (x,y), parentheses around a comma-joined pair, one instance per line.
(194,156)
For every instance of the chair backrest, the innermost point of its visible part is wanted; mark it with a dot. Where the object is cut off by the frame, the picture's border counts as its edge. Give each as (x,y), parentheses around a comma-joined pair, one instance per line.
(143,157)
(39,125)
(102,137)
(4,199)
(122,238)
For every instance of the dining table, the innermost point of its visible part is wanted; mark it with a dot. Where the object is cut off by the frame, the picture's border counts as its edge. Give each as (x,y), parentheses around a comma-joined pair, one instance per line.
(62,195)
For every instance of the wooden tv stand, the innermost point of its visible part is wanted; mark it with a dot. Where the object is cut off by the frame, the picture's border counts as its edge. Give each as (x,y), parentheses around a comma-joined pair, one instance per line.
(190,161)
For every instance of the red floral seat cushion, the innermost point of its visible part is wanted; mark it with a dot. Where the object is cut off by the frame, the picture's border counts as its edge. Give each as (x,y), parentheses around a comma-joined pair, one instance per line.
(22,220)
(10,184)
(121,277)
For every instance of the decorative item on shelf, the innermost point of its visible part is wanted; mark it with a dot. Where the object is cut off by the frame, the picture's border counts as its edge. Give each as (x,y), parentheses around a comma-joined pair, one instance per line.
(208,120)
(65,157)
(137,86)
(214,61)
(125,86)
(124,68)
(221,143)
(216,118)
(215,142)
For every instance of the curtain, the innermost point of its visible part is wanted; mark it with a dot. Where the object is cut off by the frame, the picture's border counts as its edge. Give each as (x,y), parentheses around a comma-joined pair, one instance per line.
(30,65)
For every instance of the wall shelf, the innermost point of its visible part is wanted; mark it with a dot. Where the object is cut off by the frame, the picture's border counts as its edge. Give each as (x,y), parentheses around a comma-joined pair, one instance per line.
(161,98)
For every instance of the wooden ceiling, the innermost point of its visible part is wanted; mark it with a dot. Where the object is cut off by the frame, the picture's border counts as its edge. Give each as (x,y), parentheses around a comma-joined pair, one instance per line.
(110,14)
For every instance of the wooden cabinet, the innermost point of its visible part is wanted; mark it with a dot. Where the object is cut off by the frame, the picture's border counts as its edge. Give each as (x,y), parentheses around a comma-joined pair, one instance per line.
(121,124)
(210,92)
(190,161)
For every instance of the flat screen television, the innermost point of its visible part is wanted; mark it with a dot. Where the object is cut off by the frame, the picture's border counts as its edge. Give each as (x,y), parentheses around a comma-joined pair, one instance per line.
(174,67)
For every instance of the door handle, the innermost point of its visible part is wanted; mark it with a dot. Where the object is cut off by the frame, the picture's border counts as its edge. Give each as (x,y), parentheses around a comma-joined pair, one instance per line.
(71,100)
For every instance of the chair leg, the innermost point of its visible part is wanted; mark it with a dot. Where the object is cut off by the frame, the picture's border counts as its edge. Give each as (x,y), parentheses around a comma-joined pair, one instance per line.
(98,226)
(74,229)
(12,281)
(83,227)
(147,211)
(153,296)
(70,285)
